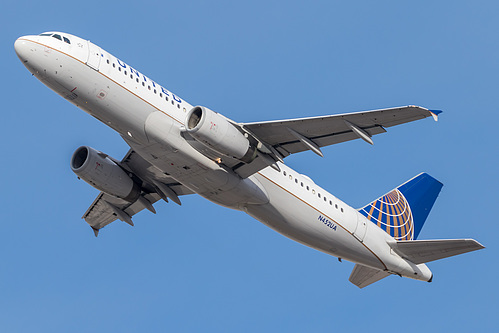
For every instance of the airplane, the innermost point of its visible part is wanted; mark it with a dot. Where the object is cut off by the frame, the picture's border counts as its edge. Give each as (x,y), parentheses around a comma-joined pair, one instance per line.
(178,149)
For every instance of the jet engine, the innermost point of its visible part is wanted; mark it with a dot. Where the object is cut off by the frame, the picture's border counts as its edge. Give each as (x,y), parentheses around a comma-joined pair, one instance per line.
(98,170)
(216,132)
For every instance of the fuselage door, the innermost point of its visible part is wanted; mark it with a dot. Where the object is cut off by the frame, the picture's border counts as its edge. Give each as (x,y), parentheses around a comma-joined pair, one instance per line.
(360,230)
(94,55)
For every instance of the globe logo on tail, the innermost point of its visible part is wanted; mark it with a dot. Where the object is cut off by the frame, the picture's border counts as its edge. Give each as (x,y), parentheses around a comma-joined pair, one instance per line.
(391,213)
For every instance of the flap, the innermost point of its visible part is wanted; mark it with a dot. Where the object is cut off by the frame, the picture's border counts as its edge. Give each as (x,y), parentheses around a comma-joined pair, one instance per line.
(100,213)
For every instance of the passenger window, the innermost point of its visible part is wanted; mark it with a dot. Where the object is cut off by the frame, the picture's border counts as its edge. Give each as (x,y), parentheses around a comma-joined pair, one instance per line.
(108,61)
(342,210)
(166,97)
(284,173)
(330,203)
(308,188)
(290,177)
(313,191)
(325,199)
(66,40)
(154,90)
(114,65)
(161,95)
(319,195)
(178,106)
(119,69)
(57,37)
(336,206)
(137,79)
(301,184)
(296,180)
(125,73)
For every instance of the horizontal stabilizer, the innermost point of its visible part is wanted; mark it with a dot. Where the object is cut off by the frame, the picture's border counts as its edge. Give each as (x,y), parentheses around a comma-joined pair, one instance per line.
(362,276)
(423,251)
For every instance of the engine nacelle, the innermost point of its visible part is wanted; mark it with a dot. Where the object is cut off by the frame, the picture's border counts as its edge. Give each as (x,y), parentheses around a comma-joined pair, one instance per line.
(98,170)
(217,133)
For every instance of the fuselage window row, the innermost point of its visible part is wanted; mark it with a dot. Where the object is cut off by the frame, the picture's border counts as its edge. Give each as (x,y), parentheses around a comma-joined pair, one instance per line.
(143,84)
(308,188)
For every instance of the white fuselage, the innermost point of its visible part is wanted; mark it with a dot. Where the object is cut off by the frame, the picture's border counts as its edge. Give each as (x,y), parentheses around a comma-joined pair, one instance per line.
(135,106)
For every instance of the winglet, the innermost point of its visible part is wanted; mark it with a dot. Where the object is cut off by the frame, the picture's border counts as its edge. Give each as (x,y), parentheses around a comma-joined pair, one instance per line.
(96,231)
(435,113)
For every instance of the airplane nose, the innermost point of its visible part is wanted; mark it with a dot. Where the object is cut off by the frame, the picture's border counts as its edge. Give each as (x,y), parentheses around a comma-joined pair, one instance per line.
(22,49)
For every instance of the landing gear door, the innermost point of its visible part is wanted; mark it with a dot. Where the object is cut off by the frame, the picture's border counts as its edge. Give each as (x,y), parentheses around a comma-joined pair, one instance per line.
(360,230)
(94,55)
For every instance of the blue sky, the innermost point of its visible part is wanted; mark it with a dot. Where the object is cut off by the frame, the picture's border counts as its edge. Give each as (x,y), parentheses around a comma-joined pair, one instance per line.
(200,267)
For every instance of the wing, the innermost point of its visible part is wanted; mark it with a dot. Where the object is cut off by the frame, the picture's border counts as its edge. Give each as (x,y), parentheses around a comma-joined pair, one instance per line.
(155,186)
(296,135)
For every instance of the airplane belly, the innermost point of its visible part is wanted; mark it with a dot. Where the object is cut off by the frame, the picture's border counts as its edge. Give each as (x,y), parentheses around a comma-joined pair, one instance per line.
(298,220)
(170,153)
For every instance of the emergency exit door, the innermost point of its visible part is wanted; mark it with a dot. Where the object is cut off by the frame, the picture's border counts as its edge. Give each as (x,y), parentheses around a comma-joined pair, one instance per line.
(94,55)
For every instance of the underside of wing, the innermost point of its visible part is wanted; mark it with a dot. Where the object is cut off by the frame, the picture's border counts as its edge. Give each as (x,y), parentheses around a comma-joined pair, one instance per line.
(296,135)
(107,208)
(154,186)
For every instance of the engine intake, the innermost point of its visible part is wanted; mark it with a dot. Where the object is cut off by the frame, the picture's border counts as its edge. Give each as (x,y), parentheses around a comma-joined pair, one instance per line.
(216,132)
(98,170)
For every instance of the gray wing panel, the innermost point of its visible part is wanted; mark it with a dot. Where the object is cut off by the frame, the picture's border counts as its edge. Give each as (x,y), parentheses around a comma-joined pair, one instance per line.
(103,210)
(100,214)
(328,130)
(295,146)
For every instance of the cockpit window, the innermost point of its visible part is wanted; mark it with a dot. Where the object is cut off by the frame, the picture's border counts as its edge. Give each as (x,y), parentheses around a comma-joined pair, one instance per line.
(66,40)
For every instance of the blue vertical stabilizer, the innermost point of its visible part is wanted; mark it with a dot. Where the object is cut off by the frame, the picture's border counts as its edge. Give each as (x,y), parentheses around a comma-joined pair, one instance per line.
(403,211)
